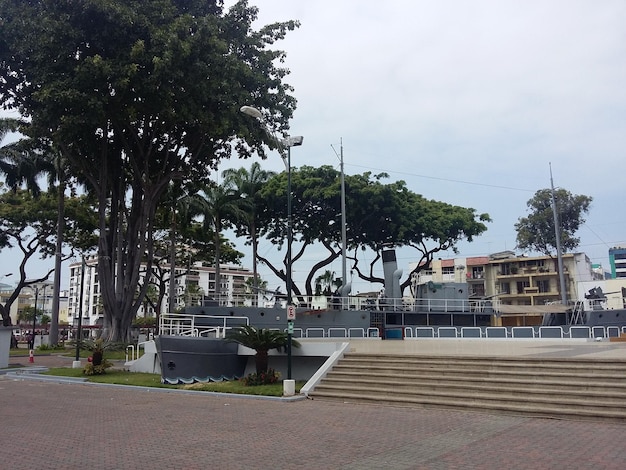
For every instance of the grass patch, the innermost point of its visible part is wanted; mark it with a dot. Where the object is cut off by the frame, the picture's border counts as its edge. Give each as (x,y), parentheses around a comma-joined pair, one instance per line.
(140,379)
(273,390)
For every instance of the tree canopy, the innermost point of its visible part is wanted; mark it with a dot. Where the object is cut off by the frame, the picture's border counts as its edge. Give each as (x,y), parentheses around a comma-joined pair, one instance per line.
(135,94)
(377,215)
(29,224)
(536,232)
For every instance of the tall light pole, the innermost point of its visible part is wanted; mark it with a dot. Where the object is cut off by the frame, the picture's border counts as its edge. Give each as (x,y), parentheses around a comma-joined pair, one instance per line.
(32,343)
(79,332)
(284,147)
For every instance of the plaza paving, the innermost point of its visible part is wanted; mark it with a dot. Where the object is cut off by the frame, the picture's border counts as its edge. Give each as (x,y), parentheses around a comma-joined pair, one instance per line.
(79,426)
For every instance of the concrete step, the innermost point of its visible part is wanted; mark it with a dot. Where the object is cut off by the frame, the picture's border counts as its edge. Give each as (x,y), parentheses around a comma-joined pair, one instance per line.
(589,389)
(487,392)
(563,375)
(547,410)
(499,383)
(493,363)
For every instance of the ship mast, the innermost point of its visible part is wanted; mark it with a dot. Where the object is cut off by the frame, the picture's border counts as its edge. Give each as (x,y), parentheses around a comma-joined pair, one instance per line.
(557,232)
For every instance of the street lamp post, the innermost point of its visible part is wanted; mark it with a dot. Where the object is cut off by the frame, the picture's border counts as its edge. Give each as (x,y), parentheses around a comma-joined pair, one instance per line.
(79,333)
(284,146)
(32,336)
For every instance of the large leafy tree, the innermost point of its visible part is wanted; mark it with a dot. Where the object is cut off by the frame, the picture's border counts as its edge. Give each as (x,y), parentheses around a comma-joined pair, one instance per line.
(377,215)
(536,232)
(136,94)
(29,224)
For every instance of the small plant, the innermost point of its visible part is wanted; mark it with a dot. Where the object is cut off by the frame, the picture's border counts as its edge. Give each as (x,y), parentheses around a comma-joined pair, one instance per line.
(93,369)
(49,347)
(262,378)
(97,364)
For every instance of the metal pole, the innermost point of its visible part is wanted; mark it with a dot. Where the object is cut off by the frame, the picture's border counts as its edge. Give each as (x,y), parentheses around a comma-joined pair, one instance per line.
(32,344)
(559,255)
(344,271)
(43,308)
(289,240)
(80,310)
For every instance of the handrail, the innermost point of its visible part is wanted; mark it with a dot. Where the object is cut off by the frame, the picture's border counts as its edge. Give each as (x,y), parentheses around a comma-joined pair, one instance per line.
(183,324)
(333,302)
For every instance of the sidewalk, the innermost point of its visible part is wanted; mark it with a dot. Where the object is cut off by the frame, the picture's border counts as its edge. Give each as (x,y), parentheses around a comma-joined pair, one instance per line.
(77,426)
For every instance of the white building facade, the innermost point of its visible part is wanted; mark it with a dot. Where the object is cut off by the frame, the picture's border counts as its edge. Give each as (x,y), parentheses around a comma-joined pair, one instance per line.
(192,286)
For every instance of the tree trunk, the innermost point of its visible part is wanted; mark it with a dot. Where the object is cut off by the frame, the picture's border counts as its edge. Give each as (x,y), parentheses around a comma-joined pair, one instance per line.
(261,361)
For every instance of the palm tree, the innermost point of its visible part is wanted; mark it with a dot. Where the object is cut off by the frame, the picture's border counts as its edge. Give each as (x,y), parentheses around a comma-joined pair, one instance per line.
(325,282)
(218,205)
(248,183)
(262,340)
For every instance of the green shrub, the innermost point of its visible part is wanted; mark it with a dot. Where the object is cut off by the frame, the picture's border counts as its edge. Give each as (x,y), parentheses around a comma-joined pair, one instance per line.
(97,369)
(262,378)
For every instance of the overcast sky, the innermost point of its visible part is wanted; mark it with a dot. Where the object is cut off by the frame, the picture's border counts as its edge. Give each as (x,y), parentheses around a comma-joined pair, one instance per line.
(467,101)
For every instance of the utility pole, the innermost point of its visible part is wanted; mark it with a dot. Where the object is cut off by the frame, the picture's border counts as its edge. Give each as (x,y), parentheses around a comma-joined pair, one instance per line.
(557,232)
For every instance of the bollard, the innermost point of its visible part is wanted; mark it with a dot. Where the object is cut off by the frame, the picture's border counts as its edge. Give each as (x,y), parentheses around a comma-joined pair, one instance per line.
(31,357)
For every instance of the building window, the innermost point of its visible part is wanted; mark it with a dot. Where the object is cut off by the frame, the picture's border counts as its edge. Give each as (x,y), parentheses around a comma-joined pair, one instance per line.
(505,288)
(478,272)
(447,270)
(544,286)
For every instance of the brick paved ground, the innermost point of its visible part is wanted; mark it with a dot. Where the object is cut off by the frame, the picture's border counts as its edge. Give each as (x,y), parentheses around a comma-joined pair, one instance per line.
(80,426)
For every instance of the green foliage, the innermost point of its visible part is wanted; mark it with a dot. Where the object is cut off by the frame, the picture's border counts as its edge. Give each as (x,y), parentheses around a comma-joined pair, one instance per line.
(148,96)
(536,232)
(259,339)
(49,347)
(144,322)
(377,215)
(263,378)
(97,369)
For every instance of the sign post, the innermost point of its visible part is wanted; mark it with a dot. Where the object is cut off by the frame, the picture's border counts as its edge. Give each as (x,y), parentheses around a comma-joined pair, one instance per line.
(291,316)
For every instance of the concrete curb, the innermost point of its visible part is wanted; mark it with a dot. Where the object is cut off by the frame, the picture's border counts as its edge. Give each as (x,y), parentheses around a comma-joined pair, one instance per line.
(36,376)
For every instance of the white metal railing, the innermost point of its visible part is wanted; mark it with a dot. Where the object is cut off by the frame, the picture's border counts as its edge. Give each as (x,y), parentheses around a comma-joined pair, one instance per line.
(182,324)
(134,352)
(190,325)
(322,302)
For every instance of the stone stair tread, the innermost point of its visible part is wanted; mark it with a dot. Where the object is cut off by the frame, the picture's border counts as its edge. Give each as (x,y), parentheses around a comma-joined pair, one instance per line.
(562,388)
(506,384)
(465,370)
(545,410)
(493,394)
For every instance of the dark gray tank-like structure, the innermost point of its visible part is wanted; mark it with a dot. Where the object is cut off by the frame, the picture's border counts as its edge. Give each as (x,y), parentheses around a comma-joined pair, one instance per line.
(186,359)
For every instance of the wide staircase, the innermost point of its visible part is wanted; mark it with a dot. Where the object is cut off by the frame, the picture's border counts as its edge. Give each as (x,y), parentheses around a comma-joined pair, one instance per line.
(545,387)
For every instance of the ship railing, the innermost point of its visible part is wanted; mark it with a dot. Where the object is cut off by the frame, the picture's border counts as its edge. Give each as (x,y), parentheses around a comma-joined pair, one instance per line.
(211,326)
(354,302)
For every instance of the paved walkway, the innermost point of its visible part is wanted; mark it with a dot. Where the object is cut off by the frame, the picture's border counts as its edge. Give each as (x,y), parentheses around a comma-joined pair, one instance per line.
(78,426)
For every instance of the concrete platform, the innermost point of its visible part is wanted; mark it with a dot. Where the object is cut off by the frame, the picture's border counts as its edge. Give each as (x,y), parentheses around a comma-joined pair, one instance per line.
(557,348)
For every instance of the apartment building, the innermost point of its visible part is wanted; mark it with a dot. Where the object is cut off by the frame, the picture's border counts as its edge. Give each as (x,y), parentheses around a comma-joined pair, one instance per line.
(617,260)
(513,279)
(192,284)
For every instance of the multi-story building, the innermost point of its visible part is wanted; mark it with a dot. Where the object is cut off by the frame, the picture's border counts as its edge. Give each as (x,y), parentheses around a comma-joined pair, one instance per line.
(42,294)
(617,259)
(192,285)
(513,279)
